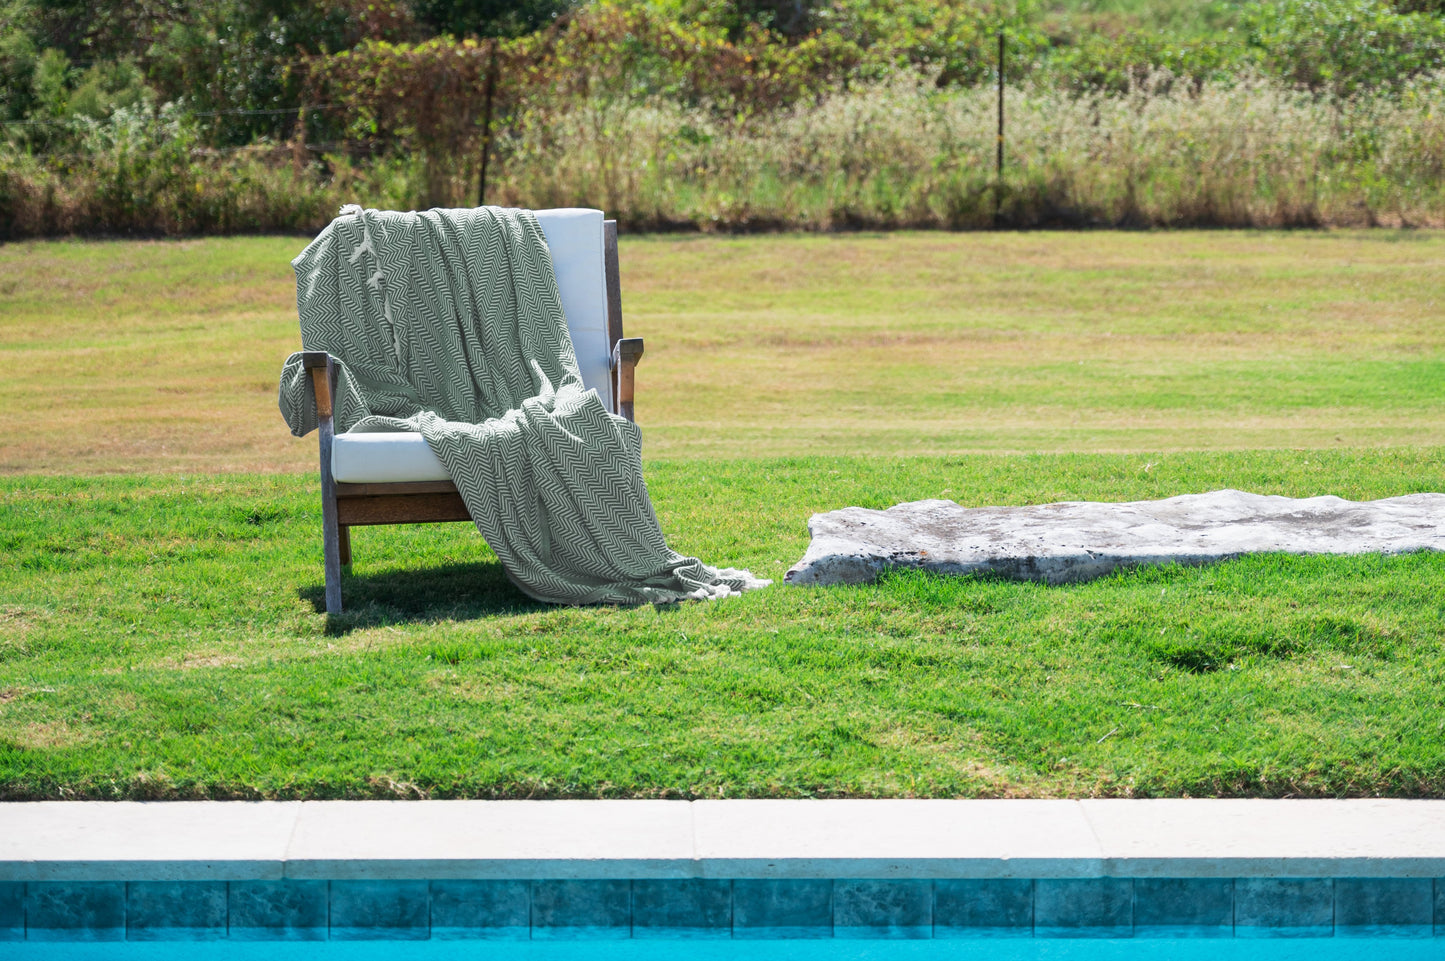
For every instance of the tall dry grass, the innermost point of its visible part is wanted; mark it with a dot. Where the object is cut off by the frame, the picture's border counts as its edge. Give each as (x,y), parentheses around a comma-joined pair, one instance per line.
(898,154)
(903,154)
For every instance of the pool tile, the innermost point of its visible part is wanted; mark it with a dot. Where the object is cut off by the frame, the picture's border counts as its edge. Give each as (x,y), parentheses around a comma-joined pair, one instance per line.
(487,910)
(783,909)
(1383,907)
(380,910)
(278,910)
(883,909)
(1184,907)
(1084,908)
(570,910)
(1439,907)
(690,908)
(1283,908)
(175,910)
(75,910)
(12,911)
(994,908)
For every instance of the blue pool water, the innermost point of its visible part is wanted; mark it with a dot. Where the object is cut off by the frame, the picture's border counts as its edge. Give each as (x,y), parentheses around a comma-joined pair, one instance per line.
(1153,949)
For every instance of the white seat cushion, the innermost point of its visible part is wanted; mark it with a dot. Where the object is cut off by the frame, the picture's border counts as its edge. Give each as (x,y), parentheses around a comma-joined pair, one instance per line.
(574,237)
(384,459)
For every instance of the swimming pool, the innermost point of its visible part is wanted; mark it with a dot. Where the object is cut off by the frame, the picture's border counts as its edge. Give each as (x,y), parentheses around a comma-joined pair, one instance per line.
(643,879)
(1365,949)
(799,910)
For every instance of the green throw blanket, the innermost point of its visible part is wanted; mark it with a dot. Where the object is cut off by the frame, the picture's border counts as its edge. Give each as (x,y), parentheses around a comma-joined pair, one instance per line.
(449,323)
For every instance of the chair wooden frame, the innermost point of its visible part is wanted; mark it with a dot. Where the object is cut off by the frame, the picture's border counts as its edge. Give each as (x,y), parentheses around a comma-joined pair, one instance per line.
(344,506)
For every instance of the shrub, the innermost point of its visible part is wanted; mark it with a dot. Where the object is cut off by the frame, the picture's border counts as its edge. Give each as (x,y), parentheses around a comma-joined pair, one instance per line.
(1344,45)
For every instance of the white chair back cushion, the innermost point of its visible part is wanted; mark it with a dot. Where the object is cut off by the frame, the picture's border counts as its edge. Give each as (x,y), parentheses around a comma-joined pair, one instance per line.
(574,236)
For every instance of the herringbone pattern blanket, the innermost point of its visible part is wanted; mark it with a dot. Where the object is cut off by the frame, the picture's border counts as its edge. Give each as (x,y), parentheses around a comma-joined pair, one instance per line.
(449,323)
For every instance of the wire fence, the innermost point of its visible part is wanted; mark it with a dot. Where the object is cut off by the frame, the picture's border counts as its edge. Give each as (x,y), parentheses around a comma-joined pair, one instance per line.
(267,112)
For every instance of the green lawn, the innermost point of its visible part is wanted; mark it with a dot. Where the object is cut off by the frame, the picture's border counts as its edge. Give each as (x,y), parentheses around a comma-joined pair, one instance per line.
(159,632)
(163,357)
(160,639)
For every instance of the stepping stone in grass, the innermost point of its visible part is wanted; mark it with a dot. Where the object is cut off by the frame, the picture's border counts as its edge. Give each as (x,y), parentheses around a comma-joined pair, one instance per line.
(1081,540)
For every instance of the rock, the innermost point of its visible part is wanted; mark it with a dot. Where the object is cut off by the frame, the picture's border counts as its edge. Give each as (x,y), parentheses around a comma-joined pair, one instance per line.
(1080,540)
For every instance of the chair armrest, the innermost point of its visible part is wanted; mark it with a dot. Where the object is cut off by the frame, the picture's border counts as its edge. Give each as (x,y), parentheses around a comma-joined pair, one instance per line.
(319,363)
(625,355)
(627,350)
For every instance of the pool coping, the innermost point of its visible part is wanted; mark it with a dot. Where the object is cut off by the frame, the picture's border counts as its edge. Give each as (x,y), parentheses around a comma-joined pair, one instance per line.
(721,839)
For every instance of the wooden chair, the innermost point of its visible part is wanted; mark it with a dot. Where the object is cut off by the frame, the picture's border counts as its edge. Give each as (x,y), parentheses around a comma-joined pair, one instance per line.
(406,485)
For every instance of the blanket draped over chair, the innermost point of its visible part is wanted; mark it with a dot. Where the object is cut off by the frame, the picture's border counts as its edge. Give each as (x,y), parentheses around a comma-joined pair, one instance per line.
(449,323)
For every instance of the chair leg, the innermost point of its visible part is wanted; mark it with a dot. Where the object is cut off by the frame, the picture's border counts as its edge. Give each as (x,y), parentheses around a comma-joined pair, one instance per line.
(344,537)
(331,537)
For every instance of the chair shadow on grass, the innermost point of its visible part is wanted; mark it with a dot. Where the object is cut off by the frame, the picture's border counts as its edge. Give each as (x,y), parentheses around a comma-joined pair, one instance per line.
(412,595)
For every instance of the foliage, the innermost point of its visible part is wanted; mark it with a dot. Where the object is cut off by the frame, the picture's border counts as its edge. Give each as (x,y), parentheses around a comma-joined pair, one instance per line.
(228,62)
(139,172)
(1344,45)
(1133,59)
(425,97)
(1240,152)
(704,114)
(428,97)
(488,18)
(1230,152)
(18,61)
(1332,46)
(61,99)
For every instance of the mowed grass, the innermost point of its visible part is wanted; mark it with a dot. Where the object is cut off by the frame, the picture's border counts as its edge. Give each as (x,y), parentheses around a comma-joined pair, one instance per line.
(162,357)
(160,638)
(159,535)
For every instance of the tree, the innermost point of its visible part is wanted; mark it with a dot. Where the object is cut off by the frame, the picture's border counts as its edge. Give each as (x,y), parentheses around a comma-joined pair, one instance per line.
(488,18)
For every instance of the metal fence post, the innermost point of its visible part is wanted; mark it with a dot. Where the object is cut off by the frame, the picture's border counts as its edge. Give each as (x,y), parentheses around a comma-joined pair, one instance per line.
(998,156)
(487,93)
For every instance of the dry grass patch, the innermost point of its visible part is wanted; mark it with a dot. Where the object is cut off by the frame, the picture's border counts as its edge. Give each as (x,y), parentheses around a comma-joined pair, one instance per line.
(164,356)
(194,661)
(15,624)
(49,736)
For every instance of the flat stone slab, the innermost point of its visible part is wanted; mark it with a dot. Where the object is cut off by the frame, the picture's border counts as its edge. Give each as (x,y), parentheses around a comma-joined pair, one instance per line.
(1080,540)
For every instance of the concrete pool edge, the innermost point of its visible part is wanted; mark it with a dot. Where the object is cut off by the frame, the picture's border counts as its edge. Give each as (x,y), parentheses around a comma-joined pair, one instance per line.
(736,839)
(602,870)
